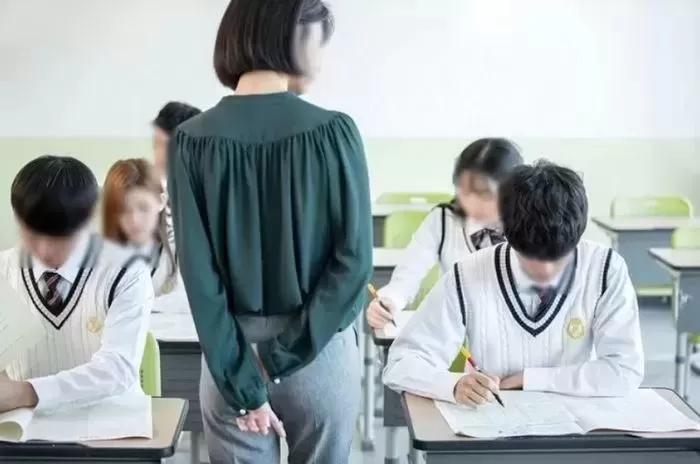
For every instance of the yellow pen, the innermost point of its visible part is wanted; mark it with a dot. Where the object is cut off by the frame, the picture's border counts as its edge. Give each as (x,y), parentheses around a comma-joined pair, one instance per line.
(375,295)
(468,356)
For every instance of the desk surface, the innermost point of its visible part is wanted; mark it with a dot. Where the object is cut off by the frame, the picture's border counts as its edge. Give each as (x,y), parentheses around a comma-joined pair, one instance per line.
(630,224)
(386,210)
(386,257)
(430,432)
(174,327)
(168,419)
(677,259)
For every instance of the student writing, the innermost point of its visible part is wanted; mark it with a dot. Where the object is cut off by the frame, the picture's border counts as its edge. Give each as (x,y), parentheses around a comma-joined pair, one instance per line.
(134,215)
(92,296)
(455,229)
(546,311)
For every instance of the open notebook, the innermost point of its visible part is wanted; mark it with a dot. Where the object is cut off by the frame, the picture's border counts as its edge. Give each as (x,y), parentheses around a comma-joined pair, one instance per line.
(535,413)
(120,417)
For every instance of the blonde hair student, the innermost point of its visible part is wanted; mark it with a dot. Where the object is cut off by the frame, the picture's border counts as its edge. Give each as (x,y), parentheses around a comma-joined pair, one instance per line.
(134,215)
(452,230)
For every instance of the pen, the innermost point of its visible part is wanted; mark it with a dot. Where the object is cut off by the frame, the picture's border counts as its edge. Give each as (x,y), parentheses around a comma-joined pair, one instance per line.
(375,295)
(465,352)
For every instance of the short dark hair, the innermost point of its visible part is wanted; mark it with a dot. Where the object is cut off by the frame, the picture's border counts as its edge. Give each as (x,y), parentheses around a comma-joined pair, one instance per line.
(54,195)
(544,210)
(173,114)
(266,35)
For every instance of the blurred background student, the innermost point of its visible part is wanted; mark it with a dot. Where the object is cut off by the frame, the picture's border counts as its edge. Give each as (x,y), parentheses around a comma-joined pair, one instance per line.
(452,230)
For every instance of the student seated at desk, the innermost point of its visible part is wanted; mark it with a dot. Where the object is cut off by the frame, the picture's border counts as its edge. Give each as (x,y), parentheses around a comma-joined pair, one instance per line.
(92,296)
(455,229)
(546,311)
(134,215)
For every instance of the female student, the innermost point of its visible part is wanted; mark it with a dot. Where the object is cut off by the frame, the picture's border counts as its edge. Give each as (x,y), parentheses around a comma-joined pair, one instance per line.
(546,311)
(134,214)
(93,298)
(453,230)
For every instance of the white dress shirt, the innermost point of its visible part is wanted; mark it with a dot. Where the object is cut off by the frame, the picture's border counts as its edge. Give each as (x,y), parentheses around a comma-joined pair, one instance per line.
(589,345)
(421,255)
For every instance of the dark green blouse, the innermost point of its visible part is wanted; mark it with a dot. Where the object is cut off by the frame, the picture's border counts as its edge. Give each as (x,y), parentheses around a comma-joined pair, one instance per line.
(272,216)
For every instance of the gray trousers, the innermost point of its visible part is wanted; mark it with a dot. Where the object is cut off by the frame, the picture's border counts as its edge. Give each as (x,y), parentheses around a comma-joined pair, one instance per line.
(318,405)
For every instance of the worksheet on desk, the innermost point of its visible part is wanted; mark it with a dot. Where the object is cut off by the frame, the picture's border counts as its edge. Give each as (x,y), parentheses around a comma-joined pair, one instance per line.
(20,327)
(401,318)
(525,413)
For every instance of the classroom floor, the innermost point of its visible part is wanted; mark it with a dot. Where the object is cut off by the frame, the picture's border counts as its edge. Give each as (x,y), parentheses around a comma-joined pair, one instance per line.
(659,347)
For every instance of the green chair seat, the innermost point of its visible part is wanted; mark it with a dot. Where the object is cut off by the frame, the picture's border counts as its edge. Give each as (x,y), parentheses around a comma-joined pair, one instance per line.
(413,198)
(400,226)
(150,367)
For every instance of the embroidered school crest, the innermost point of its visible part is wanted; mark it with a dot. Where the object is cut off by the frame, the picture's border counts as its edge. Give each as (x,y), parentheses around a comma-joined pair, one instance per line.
(576,329)
(94,325)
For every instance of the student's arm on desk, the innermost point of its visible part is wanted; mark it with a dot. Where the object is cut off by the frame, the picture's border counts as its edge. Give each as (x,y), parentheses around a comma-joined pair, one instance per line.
(619,364)
(114,368)
(418,258)
(420,358)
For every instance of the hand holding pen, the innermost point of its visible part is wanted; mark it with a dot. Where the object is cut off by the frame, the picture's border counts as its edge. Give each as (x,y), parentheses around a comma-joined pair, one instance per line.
(380,312)
(477,387)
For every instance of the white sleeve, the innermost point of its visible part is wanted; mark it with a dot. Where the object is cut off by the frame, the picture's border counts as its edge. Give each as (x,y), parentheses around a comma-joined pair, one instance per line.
(417,260)
(420,357)
(619,364)
(6,257)
(114,368)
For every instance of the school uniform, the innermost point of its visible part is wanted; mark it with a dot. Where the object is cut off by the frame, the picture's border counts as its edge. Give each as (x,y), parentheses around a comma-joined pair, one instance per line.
(580,337)
(442,239)
(95,310)
(161,267)
(168,214)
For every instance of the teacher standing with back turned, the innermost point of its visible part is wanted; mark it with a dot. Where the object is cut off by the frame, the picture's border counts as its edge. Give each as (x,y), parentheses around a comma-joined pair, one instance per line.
(271,210)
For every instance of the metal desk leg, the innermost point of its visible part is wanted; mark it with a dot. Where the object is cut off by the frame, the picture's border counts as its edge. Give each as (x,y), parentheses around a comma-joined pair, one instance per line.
(391,453)
(681,383)
(369,393)
(195,446)
(415,456)
(686,366)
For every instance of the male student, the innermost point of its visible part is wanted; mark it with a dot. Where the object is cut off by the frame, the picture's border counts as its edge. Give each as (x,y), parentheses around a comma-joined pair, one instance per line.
(93,298)
(545,311)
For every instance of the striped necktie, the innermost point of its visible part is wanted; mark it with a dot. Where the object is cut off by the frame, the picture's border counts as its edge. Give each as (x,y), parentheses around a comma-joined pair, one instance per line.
(546,294)
(479,237)
(54,300)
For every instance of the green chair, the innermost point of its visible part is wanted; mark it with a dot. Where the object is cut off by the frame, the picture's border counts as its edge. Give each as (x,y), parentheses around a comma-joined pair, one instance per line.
(425,286)
(413,198)
(400,226)
(651,207)
(662,206)
(687,237)
(150,367)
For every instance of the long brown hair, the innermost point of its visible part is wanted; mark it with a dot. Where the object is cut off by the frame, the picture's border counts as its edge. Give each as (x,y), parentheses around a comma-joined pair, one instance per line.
(123,176)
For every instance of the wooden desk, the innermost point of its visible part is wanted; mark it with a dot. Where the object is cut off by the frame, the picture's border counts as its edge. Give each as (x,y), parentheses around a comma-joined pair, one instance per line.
(431,436)
(684,268)
(632,237)
(168,420)
(380,212)
(180,367)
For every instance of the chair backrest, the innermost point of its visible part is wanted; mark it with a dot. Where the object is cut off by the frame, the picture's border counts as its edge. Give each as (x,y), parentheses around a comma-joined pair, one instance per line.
(425,286)
(686,237)
(651,207)
(400,226)
(150,367)
(413,198)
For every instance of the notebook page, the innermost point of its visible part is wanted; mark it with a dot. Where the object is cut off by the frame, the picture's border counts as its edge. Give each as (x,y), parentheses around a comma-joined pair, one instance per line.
(401,318)
(128,416)
(525,413)
(641,411)
(13,424)
(20,327)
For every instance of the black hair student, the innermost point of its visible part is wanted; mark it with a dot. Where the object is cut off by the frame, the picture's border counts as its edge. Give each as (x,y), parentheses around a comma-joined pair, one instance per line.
(271,208)
(453,230)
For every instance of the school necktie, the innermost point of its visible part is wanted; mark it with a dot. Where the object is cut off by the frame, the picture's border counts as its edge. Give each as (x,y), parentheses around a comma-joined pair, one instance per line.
(54,300)
(479,237)
(546,294)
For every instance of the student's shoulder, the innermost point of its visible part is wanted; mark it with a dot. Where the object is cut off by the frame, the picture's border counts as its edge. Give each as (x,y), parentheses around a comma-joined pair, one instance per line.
(10,256)
(597,252)
(118,257)
(479,263)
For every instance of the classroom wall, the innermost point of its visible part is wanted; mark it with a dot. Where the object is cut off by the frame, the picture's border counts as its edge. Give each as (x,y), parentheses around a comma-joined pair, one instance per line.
(611,88)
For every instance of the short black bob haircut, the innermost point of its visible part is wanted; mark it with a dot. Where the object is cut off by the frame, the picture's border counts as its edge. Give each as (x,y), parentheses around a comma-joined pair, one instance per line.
(494,158)
(544,210)
(266,35)
(54,195)
(173,114)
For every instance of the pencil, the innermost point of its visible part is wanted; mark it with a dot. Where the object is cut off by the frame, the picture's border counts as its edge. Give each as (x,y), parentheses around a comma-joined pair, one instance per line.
(465,352)
(375,295)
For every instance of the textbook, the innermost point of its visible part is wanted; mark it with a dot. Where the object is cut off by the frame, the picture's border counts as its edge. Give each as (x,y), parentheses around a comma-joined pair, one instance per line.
(129,416)
(535,413)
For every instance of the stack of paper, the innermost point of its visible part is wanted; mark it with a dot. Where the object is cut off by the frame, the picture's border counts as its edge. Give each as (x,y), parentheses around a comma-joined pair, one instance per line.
(119,417)
(401,318)
(534,413)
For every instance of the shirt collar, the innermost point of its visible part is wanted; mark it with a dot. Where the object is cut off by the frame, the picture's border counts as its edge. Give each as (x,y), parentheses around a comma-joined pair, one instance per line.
(523,282)
(70,269)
